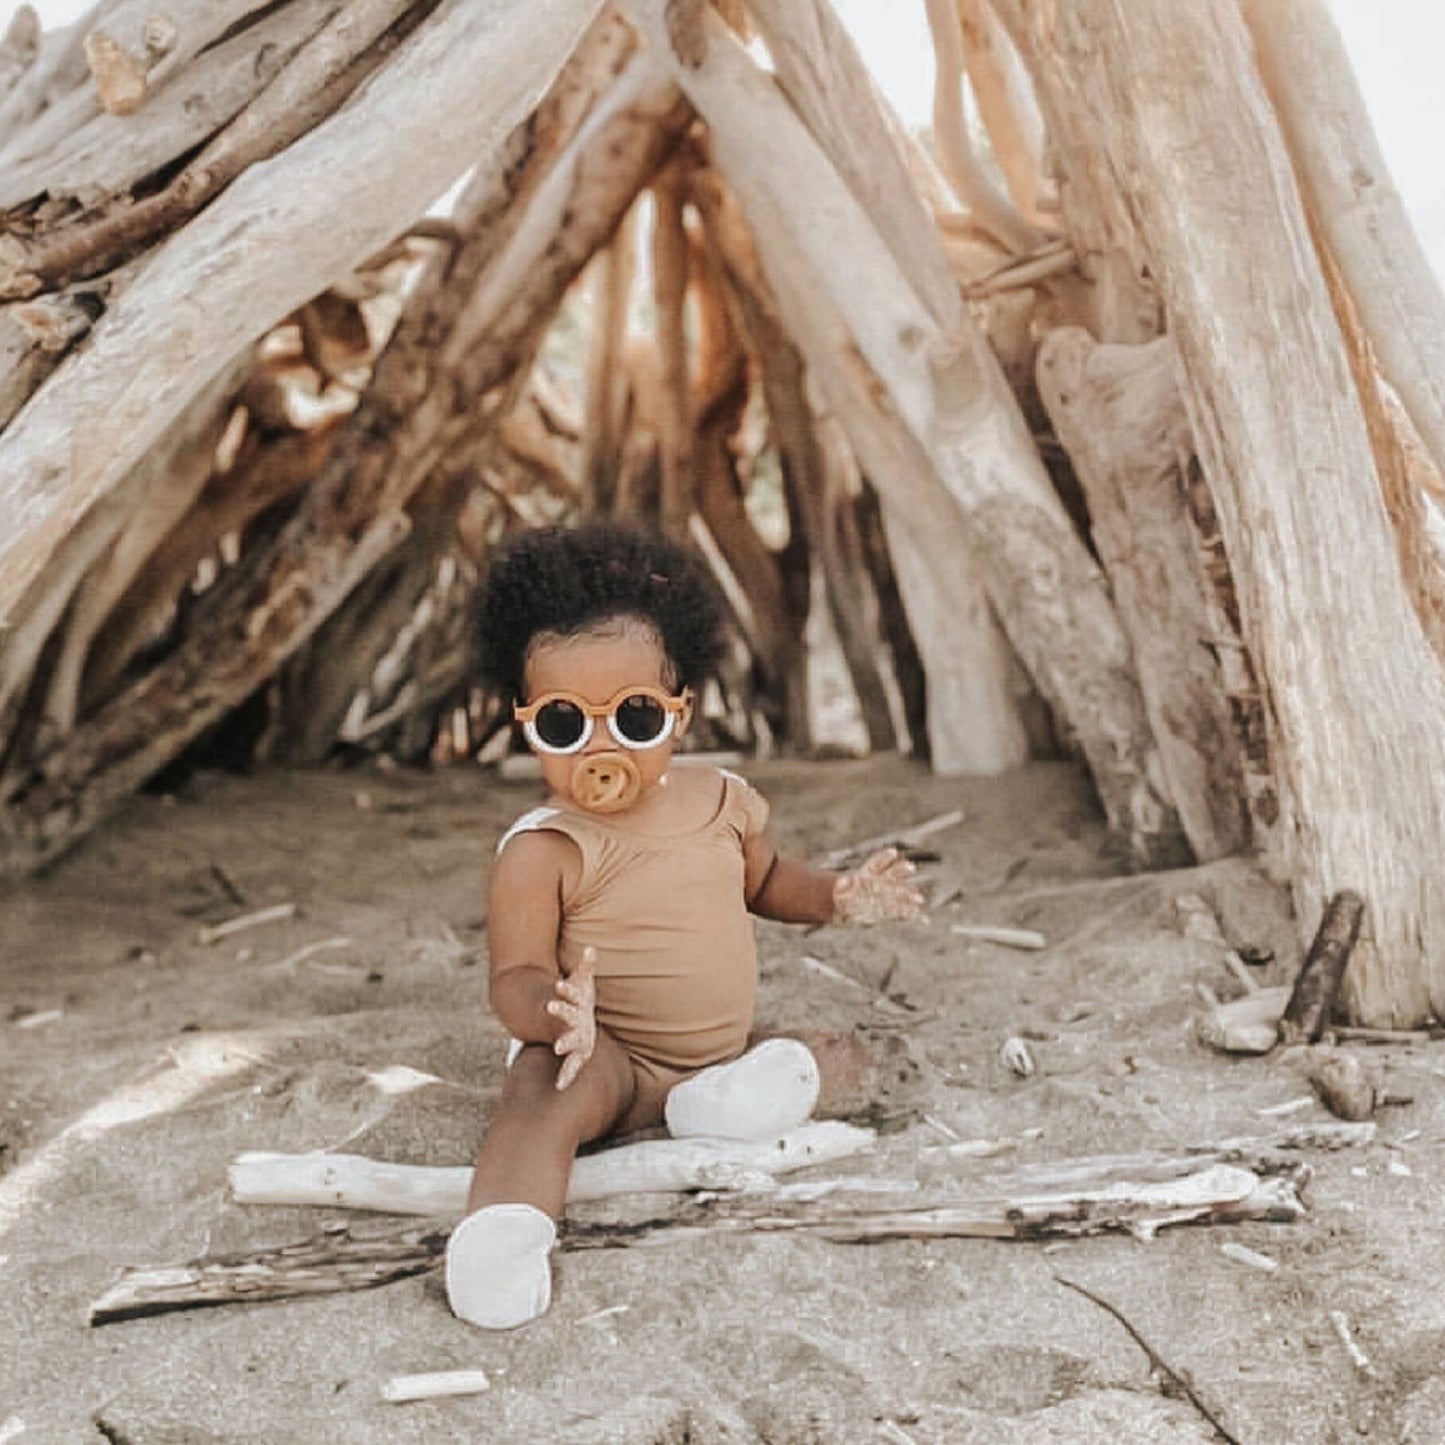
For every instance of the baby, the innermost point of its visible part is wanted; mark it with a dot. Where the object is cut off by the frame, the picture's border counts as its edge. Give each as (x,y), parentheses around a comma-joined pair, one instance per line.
(623,961)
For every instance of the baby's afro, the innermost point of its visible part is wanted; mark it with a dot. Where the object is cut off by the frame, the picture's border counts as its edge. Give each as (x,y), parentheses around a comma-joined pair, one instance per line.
(570,580)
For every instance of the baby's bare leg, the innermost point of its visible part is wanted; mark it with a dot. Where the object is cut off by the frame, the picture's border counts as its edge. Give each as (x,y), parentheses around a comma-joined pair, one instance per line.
(535,1128)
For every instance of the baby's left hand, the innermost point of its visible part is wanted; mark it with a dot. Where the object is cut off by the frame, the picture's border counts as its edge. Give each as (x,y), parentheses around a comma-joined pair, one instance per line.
(878,889)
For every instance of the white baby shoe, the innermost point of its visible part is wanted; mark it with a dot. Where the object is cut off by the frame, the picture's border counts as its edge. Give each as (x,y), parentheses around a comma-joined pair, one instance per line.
(497,1269)
(772,1088)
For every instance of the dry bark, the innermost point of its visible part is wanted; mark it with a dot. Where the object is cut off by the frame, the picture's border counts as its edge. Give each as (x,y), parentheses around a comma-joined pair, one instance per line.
(1287,457)
(1119,415)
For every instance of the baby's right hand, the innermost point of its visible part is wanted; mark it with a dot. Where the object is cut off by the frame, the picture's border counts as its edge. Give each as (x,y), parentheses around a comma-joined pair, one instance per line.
(574,1005)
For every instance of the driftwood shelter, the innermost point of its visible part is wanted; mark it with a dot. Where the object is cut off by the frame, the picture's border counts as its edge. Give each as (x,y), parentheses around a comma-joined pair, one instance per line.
(1109,417)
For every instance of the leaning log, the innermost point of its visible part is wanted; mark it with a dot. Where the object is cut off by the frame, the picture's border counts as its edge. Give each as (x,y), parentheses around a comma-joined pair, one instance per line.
(923,405)
(1119,415)
(1285,451)
(1311,1001)
(277,597)
(326,203)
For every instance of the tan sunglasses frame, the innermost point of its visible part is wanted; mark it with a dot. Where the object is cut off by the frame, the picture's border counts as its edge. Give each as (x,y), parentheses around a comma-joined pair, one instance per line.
(605,712)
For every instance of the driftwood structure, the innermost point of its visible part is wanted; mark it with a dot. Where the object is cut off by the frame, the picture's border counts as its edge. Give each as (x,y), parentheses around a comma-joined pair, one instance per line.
(1109,416)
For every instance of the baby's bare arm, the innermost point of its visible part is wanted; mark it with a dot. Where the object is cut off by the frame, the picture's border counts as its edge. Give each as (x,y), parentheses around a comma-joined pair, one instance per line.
(791,890)
(523,918)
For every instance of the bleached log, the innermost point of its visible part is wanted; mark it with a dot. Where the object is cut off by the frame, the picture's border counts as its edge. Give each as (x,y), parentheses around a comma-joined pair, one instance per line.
(821,72)
(19,47)
(1118,412)
(653,1166)
(169,469)
(994,211)
(242,632)
(1215,1194)
(326,203)
(1006,103)
(919,406)
(1352,198)
(110,154)
(1325,613)
(58,66)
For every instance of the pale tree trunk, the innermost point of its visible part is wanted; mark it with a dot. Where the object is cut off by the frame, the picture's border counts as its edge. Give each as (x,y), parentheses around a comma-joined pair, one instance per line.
(922,405)
(1354,695)
(1352,199)
(326,203)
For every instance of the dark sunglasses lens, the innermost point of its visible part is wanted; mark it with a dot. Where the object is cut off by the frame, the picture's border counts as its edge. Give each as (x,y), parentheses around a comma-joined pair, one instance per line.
(560,724)
(641,719)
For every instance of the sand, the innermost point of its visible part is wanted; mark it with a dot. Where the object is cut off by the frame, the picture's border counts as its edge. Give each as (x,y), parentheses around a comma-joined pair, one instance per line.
(136,1060)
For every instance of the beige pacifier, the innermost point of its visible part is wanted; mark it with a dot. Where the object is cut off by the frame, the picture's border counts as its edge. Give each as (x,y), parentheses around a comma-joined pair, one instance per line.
(605,782)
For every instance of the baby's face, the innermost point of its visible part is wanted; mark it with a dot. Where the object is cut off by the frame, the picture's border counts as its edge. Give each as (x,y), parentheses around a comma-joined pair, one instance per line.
(596,667)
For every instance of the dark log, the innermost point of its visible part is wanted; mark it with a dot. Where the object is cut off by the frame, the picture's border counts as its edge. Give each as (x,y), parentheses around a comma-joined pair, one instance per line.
(1307,1014)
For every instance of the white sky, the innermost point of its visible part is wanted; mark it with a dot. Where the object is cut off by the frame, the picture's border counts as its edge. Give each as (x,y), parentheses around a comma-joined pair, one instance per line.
(1395,44)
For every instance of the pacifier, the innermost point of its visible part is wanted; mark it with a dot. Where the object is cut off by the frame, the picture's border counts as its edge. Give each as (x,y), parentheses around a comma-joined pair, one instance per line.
(605,782)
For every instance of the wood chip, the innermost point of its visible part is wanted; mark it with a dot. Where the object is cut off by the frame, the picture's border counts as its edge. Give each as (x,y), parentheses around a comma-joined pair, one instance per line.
(1242,1254)
(402,1389)
(1024,938)
(275,914)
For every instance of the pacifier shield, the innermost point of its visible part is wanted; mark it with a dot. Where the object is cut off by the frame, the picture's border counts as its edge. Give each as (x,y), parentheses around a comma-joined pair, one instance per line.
(606,782)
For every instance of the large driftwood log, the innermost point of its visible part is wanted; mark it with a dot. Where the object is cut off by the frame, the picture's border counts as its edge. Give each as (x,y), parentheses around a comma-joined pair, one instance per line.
(1351,197)
(652,1166)
(1119,415)
(1215,1194)
(1285,451)
(326,203)
(919,405)
(244,629)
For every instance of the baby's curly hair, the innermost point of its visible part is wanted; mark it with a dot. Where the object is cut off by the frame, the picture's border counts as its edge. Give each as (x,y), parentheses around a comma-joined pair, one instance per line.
(571,580)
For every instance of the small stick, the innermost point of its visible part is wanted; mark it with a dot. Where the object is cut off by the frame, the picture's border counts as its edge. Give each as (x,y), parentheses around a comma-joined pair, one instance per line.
(1318,984)
(292,960)
(274,914)
(1358,1358)
(1156,1361)
(1383,1036)
(227,886)
(1010,937)
(401,1389)
(906,838)
(1240,969)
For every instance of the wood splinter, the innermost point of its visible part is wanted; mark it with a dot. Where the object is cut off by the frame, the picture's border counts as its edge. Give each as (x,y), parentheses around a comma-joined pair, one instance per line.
(1307,1013)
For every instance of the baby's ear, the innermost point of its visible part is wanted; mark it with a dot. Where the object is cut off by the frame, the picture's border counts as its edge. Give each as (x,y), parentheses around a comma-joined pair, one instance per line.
(684,718)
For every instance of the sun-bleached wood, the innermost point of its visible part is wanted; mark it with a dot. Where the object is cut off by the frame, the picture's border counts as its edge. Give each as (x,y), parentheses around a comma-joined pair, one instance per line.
(1353,693)
(989,207)
(1118,413)
(326,203)
(1006,104)
(922,406)
(1351,197)
(503,300)
(652,1166)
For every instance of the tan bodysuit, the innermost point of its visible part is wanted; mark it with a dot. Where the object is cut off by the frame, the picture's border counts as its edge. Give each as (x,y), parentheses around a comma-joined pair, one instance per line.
(676,958)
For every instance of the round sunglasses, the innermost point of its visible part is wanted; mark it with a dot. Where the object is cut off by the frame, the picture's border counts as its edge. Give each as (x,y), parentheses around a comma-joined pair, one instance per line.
(636,717)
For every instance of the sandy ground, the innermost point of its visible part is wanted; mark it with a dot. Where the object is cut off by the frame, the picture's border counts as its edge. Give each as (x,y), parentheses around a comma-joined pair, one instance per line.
(113,1146)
